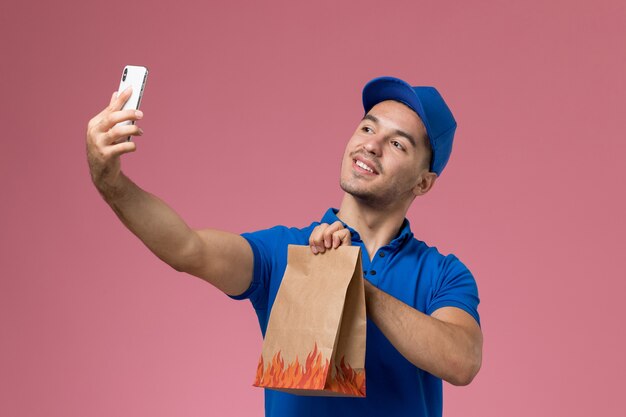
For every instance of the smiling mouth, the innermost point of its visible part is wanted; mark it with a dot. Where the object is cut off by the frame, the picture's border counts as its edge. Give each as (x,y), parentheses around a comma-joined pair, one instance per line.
(364,167)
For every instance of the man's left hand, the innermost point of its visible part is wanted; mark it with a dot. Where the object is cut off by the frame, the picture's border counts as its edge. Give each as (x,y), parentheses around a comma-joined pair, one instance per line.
(329,236)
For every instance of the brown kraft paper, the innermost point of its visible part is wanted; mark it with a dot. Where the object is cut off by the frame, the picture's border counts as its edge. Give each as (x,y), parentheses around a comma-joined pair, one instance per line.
(315,338)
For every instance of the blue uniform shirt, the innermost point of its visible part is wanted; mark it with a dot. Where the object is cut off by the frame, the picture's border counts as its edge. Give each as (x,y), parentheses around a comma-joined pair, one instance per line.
(406,268)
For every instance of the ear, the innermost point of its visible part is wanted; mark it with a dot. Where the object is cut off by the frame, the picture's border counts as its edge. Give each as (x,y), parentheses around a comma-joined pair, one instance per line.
(425,182)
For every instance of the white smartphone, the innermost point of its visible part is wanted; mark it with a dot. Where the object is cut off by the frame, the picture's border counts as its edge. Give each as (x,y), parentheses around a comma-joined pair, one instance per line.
(136,77)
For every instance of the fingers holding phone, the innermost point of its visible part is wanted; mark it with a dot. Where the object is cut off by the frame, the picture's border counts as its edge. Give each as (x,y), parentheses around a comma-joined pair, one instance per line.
(108,133)
(114,125)
(134,77)
(119,123)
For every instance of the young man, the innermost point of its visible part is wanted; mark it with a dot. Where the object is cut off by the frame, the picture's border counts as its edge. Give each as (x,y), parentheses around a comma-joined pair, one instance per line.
(423,323)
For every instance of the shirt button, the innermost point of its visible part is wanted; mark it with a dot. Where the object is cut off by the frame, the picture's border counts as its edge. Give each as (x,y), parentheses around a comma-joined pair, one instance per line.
(372,272)
(381,254)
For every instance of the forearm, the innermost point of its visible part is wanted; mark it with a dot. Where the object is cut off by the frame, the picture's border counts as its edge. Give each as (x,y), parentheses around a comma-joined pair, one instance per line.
(440,348)
(157,225)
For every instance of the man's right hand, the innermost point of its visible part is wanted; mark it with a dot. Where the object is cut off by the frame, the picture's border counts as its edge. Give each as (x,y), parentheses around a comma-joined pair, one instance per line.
(106,141)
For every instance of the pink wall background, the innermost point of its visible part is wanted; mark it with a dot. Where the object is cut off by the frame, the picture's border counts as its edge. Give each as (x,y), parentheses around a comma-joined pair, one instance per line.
(247,110)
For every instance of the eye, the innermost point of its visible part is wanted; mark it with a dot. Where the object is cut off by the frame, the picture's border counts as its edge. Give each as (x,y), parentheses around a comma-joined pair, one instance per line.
(397,144)
(367,129)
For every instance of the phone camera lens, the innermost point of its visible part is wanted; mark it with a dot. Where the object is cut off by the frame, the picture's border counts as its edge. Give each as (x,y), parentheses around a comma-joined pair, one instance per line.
(124,75)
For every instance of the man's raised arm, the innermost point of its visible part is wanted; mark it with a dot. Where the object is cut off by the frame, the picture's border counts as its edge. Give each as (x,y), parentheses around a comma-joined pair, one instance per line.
(223,259)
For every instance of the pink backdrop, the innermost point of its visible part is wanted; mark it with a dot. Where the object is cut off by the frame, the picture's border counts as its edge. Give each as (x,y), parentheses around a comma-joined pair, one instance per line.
(247,109)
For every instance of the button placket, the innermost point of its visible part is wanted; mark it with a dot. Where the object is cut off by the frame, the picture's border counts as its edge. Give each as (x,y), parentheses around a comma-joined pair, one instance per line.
(376,264)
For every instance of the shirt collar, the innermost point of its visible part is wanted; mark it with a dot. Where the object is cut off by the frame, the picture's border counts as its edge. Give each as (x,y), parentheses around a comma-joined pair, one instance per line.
(403,235)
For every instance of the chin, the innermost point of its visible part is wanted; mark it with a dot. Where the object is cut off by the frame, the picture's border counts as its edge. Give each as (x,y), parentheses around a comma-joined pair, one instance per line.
(381,200)
(360,194)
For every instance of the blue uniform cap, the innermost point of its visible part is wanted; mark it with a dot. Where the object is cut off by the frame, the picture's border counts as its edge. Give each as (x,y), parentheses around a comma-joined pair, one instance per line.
(429,106)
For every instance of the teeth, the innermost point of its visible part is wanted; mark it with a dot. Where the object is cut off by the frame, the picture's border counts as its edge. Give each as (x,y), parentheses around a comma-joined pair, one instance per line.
(365,167)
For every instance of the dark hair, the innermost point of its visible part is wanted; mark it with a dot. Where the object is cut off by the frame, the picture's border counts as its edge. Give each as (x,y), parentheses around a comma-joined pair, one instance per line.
(429,149)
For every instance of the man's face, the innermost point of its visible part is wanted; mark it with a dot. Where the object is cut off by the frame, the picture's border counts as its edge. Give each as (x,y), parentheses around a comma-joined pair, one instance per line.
(387,156)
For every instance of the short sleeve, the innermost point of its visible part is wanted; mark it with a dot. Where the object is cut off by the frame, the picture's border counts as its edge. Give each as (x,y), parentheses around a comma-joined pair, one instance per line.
(455,287)
(261,243)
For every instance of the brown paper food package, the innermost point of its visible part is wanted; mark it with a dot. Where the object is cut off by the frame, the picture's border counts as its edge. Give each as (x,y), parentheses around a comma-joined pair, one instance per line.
(315,339)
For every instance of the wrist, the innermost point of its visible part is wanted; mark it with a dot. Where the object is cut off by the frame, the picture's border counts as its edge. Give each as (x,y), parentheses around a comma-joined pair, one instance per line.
(114,189)
(369,292)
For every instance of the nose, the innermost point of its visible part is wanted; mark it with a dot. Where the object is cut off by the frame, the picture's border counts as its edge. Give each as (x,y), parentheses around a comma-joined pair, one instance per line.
(373,145)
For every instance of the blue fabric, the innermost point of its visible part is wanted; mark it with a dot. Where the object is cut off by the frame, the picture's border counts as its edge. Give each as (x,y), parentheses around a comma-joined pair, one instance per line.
(406,268)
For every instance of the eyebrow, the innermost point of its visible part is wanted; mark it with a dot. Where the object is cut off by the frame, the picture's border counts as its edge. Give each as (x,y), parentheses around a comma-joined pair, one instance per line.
(398,132)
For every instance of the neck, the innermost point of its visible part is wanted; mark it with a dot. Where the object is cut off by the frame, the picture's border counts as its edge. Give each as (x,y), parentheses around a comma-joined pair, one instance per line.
(377,227)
